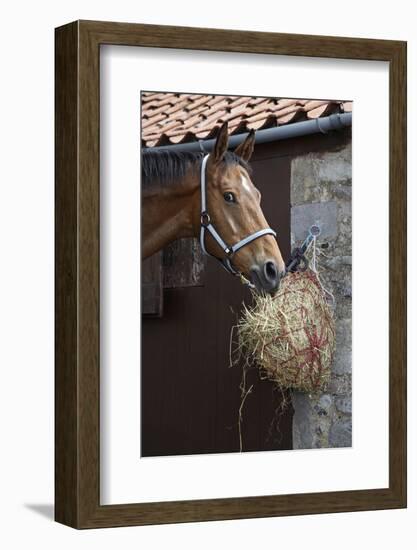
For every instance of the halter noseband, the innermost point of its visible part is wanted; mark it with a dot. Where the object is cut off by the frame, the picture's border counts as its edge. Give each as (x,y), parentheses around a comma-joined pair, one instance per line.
(206,225)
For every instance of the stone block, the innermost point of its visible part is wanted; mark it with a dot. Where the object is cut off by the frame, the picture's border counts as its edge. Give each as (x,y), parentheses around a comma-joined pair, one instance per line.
(335,166)
(340,385)
(312,420)
(344,334)
(336,262)
(342,362)
(302,422)
(323,214)
(340,434)
(321,173)
(344,404)
(323,405)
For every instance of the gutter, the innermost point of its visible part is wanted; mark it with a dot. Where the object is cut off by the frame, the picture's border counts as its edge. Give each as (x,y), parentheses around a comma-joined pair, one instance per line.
(306,127)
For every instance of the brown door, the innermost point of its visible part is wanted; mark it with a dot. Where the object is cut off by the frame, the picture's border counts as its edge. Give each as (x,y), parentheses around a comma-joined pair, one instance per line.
(190,396)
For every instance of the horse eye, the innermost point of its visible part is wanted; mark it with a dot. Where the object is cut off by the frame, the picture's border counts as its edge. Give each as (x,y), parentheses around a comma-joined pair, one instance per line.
(229,197)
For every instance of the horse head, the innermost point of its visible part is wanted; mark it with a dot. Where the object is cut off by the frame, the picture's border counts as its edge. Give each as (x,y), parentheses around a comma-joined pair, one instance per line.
(234,207)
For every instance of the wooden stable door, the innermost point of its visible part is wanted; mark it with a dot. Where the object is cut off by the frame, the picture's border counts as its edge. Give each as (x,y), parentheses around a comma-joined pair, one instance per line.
(190,395)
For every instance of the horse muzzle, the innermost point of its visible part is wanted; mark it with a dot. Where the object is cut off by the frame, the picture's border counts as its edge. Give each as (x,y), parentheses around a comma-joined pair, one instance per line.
(266,277)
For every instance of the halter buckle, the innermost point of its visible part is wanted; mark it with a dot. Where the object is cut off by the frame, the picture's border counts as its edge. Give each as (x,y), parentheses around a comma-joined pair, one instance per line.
(205,219)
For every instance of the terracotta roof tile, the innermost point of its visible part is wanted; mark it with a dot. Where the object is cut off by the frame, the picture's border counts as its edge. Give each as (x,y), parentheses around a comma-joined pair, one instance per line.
(324,110)
(216,99)
(293,116)
(159,99)
(310,105)
(147,122)
(261,122)
(182,138)
(212,120)
(256,117)
(177,118)
(169,125)
(255,100)
(177,106)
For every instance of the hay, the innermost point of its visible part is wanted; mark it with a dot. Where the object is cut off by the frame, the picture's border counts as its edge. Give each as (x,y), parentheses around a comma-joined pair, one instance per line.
(290,336)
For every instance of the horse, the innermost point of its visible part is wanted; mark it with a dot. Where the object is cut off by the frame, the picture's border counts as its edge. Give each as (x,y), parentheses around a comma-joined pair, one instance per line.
(212,197)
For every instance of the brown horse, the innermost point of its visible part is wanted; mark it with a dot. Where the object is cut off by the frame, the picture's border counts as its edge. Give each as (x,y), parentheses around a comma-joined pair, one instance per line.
(171,209)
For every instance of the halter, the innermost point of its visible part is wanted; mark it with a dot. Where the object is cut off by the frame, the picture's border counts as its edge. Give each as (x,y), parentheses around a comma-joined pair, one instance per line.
(206,225)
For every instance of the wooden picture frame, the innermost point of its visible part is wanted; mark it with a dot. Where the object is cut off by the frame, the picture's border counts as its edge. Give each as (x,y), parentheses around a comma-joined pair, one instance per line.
(77,374)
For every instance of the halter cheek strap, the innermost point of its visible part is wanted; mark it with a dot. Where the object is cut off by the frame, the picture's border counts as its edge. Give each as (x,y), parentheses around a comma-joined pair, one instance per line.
(206,225)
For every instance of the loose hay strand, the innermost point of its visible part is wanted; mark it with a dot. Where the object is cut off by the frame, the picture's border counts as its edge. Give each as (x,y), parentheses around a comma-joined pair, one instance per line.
(240,420)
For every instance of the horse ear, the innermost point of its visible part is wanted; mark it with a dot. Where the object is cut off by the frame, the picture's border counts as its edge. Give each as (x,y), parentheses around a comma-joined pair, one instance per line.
(222,141)
(245,149)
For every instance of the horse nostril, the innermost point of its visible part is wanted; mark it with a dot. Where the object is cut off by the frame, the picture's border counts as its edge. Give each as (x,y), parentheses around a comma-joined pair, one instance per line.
(271,272)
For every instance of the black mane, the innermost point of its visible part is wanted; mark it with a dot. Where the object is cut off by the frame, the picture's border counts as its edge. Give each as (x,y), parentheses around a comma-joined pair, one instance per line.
(167,167)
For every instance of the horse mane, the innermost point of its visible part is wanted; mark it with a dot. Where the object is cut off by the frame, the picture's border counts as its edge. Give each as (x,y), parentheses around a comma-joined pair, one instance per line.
(168,167)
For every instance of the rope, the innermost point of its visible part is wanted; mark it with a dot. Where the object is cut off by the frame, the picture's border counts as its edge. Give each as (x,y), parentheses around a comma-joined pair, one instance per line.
(313,243)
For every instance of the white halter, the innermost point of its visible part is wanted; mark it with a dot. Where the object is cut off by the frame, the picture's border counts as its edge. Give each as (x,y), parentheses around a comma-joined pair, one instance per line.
(206,225)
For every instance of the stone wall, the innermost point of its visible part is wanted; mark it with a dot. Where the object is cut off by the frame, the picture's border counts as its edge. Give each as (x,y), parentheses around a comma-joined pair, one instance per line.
(321,192)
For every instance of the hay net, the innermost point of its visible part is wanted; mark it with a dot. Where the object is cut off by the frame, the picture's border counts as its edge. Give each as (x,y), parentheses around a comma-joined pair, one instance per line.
(290,337)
